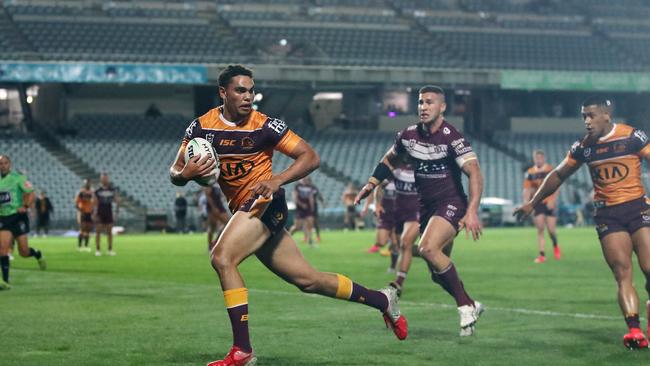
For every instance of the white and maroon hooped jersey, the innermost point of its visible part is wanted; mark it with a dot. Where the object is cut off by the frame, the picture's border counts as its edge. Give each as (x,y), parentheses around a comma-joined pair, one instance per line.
(437,158)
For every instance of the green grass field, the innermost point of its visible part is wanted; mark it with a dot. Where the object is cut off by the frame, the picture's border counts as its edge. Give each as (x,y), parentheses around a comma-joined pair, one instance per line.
(158,302)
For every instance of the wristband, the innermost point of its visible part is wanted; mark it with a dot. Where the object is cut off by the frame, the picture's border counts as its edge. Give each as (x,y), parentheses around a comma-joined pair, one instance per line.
(382,171)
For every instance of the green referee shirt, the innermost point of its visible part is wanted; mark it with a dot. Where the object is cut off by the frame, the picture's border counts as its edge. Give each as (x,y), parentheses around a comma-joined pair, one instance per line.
(12,187)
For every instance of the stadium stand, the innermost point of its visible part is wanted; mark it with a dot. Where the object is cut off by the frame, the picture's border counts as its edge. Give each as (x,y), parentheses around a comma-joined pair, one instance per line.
(478,34)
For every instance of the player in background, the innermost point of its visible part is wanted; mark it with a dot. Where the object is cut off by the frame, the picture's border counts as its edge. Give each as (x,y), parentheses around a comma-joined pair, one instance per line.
(384,198)
(83,201)
(613,153)
(545,213)
(317,197)
(407,219)
(16,196)
(245,140)
(44,209)
(103,200)
(350,217)
(216,214)
(439,153)
(303,196)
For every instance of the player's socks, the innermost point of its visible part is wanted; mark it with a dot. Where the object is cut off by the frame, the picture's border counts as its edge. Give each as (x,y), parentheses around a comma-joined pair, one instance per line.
(454,286)
(401,277)
(35,253)
(351,291)
(4,264)
(393,259)
(79,240)
(237,304)
(632,321)
(553,239)
(86,238)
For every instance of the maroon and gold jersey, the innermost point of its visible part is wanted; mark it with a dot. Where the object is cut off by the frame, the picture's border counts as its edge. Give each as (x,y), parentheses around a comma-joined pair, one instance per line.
(614,163)
(534,178)
(245,150)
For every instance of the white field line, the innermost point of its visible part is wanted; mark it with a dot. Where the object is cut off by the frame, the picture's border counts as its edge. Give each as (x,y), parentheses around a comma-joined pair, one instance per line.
(414,304)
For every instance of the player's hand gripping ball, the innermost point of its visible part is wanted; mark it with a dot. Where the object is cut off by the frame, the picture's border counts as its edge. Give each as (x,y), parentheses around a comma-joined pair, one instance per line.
(200,147)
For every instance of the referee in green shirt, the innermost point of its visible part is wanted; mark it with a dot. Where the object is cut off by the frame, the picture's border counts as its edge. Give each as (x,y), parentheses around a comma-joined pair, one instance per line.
(16,196)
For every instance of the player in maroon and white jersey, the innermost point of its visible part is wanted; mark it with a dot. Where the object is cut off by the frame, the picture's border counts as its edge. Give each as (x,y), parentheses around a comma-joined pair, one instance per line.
(103,199)
(439,154)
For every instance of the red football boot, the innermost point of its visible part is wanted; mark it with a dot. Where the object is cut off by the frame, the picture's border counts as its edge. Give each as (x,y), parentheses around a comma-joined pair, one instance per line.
(556,252)
(236,357)
(540,259)
(374,249)
(635,339)
(392,316)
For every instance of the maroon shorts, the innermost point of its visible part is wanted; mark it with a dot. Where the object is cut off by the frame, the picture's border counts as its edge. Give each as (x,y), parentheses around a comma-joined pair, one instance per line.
(105,218)
(386,219)
(303,213)
(273,212)
(628,216)
(543,209)
(452,211)
(407,209)
(220,208)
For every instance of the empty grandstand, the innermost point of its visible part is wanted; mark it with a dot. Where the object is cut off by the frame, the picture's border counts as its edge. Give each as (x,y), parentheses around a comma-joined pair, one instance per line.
(344,74)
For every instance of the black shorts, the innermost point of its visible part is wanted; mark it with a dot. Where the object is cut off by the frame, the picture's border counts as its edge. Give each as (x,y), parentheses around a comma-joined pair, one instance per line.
(86,218)
(17,223)
(628,217)
(543,209)
(273,212)
(105,218)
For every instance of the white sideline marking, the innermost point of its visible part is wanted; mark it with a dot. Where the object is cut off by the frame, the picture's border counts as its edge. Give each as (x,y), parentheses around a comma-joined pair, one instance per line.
(487,307)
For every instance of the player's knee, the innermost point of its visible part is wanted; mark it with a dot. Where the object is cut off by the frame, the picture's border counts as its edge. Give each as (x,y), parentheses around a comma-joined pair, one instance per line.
(23,252)
(221,263)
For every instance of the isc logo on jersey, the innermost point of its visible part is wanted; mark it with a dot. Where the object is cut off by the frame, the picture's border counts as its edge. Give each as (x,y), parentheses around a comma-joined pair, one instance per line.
(609,173)
(200,147)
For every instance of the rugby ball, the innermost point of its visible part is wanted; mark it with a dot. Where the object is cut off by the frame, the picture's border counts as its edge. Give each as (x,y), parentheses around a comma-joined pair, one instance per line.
(199,147)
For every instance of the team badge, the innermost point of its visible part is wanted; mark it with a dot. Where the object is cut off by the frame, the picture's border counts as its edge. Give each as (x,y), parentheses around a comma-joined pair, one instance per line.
(450,213)
(247,142)
(446,131)
(412,143)
(587,152)
(209,137)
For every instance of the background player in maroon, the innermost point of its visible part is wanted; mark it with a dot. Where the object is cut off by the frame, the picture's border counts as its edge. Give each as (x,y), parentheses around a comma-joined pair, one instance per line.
(303,196)
(103,200)
(439,153)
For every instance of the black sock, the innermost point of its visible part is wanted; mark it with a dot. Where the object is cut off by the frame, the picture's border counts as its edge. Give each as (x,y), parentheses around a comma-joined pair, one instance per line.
(393,259)
(541,252)
(79,238)
(35,253)
(553,239)
(86,240)
(4,263)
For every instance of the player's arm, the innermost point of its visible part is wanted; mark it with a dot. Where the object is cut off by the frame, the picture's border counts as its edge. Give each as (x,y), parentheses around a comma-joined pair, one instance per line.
(366,205)
(470,221)
(305,161)
(550,184)
(378,197)
(382,171)
(28,201)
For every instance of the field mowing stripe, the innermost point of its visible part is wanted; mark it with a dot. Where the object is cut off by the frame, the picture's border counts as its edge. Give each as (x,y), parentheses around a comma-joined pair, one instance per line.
(448,306)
